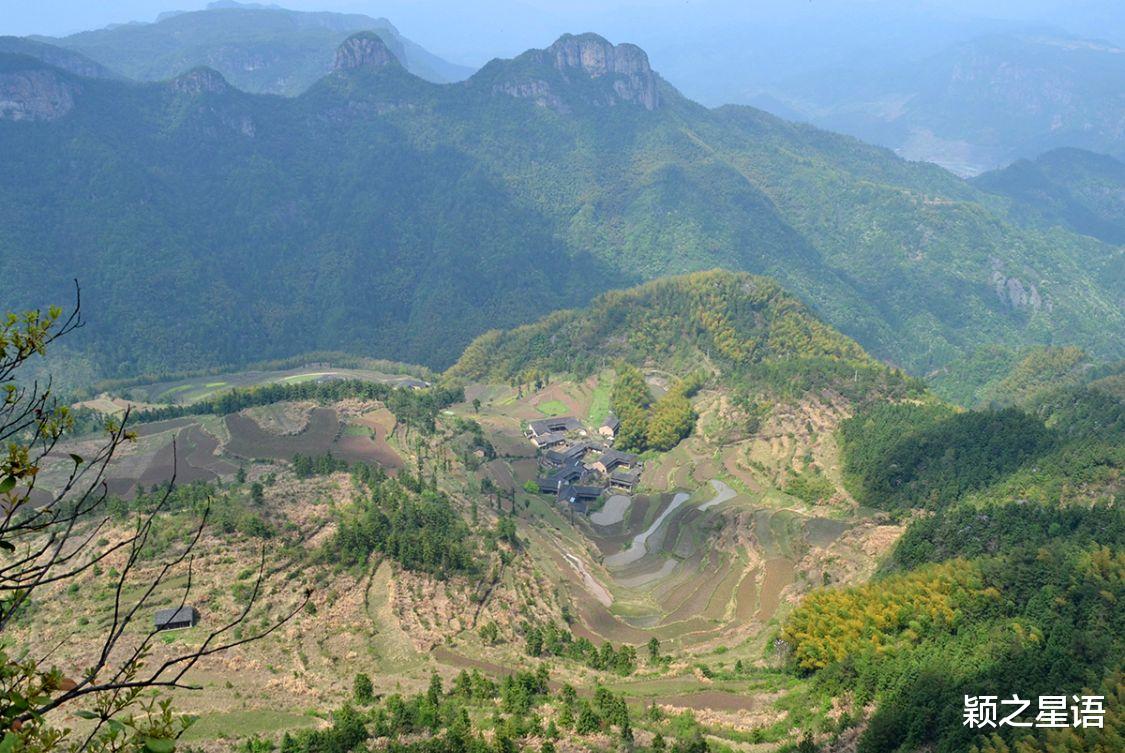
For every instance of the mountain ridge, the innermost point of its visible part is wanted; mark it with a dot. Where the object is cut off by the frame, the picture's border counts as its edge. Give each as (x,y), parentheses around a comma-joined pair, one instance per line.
(258,48)
(409,204)
(1070,187)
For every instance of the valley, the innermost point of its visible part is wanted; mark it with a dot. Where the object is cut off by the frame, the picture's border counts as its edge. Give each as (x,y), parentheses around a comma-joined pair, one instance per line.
(354,400)
(811,515)
(702,560)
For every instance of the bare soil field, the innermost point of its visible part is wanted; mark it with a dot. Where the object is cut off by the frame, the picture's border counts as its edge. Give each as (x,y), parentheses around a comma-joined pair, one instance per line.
(249,440)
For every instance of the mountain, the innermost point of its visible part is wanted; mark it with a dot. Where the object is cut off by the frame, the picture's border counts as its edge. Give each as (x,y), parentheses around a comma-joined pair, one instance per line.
(1073,188)
(807,566)
(59,57)
(383,214)
(256,48)
(977,104)
(744,328)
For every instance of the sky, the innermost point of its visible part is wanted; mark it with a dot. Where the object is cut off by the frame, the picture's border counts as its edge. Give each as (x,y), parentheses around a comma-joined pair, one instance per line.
(473,31)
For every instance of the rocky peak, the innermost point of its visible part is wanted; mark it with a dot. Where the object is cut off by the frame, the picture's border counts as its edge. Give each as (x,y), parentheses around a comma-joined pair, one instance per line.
(620,74)
(363,50)
(597,56)
(200,80)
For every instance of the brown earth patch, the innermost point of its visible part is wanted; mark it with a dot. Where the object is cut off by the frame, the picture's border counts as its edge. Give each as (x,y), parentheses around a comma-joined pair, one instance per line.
(366,450)
(778,574)
(248,439)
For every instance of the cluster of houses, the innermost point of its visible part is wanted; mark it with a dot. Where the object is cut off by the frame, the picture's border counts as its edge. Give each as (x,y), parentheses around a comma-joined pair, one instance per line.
(578,468)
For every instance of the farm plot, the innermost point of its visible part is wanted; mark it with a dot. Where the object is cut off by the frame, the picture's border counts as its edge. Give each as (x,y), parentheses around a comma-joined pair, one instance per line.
(366,442)
(191,458)
(249,440)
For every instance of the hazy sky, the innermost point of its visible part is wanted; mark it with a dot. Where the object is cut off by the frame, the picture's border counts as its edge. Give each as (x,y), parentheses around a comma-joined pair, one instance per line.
(472,31)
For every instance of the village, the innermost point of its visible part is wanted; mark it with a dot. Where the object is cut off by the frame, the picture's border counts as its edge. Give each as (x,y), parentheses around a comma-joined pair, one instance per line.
(579,466)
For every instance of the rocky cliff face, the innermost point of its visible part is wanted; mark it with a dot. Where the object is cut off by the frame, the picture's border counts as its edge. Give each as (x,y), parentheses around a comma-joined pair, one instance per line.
(633,79)
(1018,294)
(364,50)
(32,95)
(200,81)
(621,74)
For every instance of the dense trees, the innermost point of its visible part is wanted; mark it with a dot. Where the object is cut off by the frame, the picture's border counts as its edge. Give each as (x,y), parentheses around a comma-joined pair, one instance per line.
(417,408)
(648,424)
(307,466)
(906,455)
(969,531)
(551,640)
(671,420)
(1011,584)
(475,715)
(417,528)
(1031,621)
(735,321)
(831,625)
(1064,445)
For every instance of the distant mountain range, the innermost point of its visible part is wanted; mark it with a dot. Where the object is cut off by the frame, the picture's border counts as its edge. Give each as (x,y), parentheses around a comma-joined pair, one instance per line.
(1074,188)
(383,214)
(257,48)
(975,105)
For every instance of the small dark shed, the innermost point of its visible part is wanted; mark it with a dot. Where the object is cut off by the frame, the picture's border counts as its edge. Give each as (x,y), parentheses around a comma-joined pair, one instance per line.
(172,619)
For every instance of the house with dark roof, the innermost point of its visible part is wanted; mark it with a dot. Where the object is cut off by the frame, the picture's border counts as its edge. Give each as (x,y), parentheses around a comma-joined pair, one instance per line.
(556,425)
(611,459)
(609,427)
(553,458)
(174,619)
(577,451)
(549,439)
(626,480)
(571,473)
(579,497)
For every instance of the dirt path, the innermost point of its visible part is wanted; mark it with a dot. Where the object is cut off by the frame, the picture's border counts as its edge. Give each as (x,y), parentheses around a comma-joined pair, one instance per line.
(722,494)
(592,585)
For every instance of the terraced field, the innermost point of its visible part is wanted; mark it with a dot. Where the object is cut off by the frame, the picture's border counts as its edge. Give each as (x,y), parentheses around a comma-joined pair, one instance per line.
(711,551)
(211,448)
(672,572)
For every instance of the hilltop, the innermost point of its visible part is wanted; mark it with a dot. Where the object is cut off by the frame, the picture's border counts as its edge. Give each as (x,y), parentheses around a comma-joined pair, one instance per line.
(737,327)
(262,49)
(386,215)
(1072,188)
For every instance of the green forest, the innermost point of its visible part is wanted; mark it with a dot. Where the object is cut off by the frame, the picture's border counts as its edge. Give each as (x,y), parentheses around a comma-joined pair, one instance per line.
(745,328)
(646,423)
(1011,580)
(384,215)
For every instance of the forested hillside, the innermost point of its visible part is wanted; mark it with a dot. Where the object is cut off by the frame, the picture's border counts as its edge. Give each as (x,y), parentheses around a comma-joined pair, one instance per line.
(382,214)
(746,328)
(1012,580)
(1073,188)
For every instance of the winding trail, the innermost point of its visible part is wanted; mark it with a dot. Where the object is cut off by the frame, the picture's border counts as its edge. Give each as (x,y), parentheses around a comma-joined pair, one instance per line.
(722,493)
(638,550)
